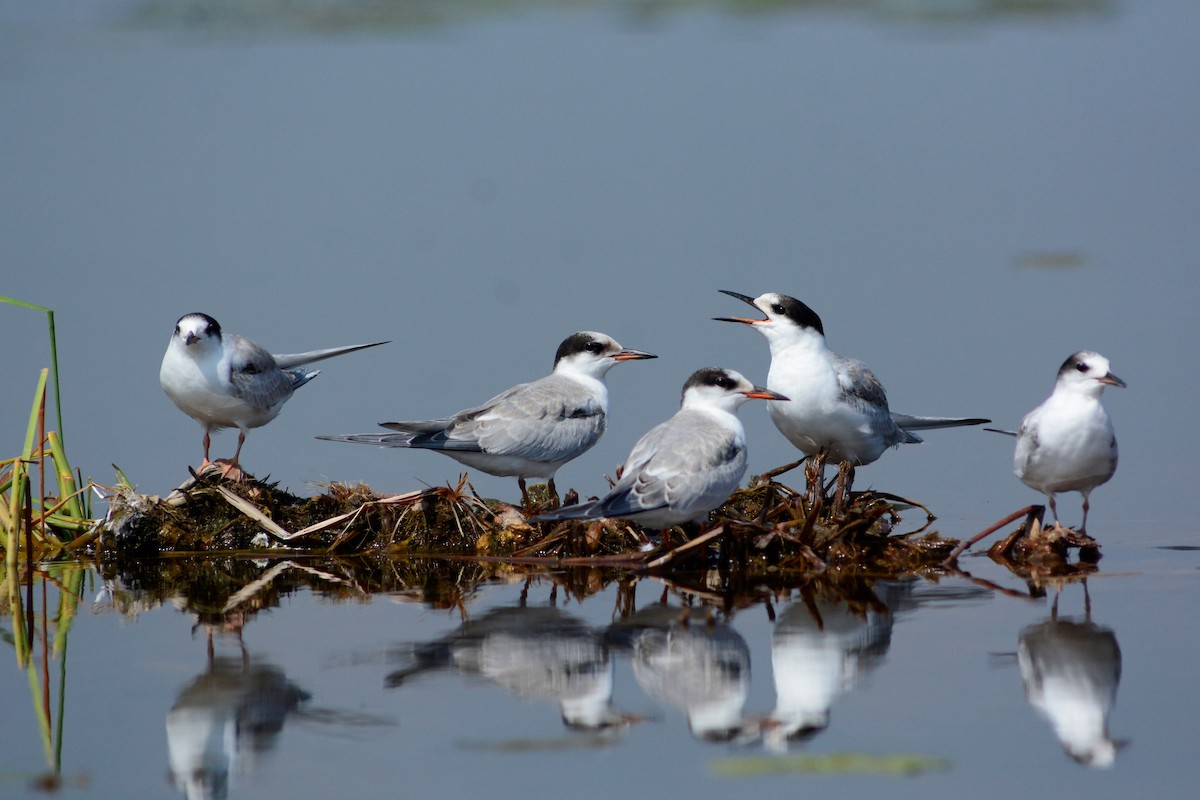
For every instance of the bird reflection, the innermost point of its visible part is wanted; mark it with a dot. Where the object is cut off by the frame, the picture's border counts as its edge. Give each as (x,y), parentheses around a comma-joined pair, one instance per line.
(822,648)
(1071,670)
(224,721)
(685,660)
(533,652)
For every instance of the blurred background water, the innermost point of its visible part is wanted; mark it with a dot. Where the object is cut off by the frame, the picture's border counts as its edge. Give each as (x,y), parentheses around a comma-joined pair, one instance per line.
(967,192)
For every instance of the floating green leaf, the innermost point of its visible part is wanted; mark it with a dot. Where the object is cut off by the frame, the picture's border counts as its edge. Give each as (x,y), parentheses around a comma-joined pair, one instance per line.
(830,764)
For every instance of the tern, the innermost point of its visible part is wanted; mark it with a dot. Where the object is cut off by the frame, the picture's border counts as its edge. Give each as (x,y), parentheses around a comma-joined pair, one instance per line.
(683,658)
(1067,444)
(532,429)
(838,406)
(223,380)
(534,652)
(1071,670)
(685,467)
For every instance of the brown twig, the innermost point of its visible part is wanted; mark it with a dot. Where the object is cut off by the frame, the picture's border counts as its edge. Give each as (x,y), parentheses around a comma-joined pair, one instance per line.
(951,561)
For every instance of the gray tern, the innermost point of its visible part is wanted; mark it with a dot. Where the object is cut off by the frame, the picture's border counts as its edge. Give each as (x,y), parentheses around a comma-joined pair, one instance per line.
(685,467)
(532,429)
(223,380)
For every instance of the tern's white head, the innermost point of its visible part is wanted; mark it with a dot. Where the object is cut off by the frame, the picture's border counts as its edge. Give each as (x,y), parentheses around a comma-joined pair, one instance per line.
(197,333)
(786,319)
(1086,372)
(725,389)
(593,354)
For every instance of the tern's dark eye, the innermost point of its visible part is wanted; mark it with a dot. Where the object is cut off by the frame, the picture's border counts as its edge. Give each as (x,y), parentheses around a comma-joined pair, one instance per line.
(594,347)
(776,308)
(723,382)
(1081,366)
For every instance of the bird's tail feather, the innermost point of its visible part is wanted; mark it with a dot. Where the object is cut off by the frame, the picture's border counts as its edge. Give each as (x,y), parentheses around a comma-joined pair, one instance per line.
(578,511)
(379,439)
(289,360)
(909,422)
(302,376)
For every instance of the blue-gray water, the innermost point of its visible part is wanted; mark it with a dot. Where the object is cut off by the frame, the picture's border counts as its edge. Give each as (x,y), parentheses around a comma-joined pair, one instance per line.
(966,193)
(384,695)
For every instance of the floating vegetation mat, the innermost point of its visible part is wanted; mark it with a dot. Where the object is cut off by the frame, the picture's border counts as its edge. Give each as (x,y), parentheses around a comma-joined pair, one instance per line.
(763,529)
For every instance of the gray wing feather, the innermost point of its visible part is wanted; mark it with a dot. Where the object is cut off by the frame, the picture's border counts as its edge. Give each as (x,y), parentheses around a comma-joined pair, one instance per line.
(256,378)
(684,462)
(863,390)
(1027,444)
(550,419)
(289,360)
(858,382)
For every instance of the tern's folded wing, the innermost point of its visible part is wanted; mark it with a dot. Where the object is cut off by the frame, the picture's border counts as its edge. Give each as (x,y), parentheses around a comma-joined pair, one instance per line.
(255,377)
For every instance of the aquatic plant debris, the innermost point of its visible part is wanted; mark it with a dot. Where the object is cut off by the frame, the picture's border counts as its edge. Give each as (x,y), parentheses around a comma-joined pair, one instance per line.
(765,526)
(845,763)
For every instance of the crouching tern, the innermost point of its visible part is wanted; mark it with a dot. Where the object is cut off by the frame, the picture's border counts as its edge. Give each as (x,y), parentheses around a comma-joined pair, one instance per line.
(223,380)
(838,406)
(1067,444)
(685,467)
(533,428)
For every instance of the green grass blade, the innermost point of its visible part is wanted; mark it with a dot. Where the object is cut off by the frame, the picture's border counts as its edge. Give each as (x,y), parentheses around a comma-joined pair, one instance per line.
(12,301)
(66,479)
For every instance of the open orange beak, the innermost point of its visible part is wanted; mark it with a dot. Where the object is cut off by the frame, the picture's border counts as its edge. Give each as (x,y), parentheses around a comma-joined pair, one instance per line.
(759,393)
(745,299)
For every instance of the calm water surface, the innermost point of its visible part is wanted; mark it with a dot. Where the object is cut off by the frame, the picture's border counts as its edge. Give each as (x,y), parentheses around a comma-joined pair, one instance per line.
(966,193)
(528,688)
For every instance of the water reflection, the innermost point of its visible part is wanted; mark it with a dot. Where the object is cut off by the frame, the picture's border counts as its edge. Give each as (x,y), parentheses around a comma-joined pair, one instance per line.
(1071,670)
(819,650)
(687,660)
(533,652)
(225,721)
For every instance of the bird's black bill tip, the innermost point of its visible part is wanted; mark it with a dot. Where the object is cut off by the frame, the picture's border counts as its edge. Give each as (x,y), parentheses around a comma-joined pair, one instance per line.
(743,297)
(759,393)
(633,355)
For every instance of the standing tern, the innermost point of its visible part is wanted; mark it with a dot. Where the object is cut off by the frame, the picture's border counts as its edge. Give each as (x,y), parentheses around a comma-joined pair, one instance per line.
(838,406)
(1067,444)
(223,380)
(533,428)
(685,467)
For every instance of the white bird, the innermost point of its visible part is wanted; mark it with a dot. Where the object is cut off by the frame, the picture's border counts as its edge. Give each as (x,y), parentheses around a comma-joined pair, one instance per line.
(533,428)
(838,405)
(1067,444)
(533,652)
(1071,671)
(228,381)
(820,649)
(685,467)
(684,659)
(225,721)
